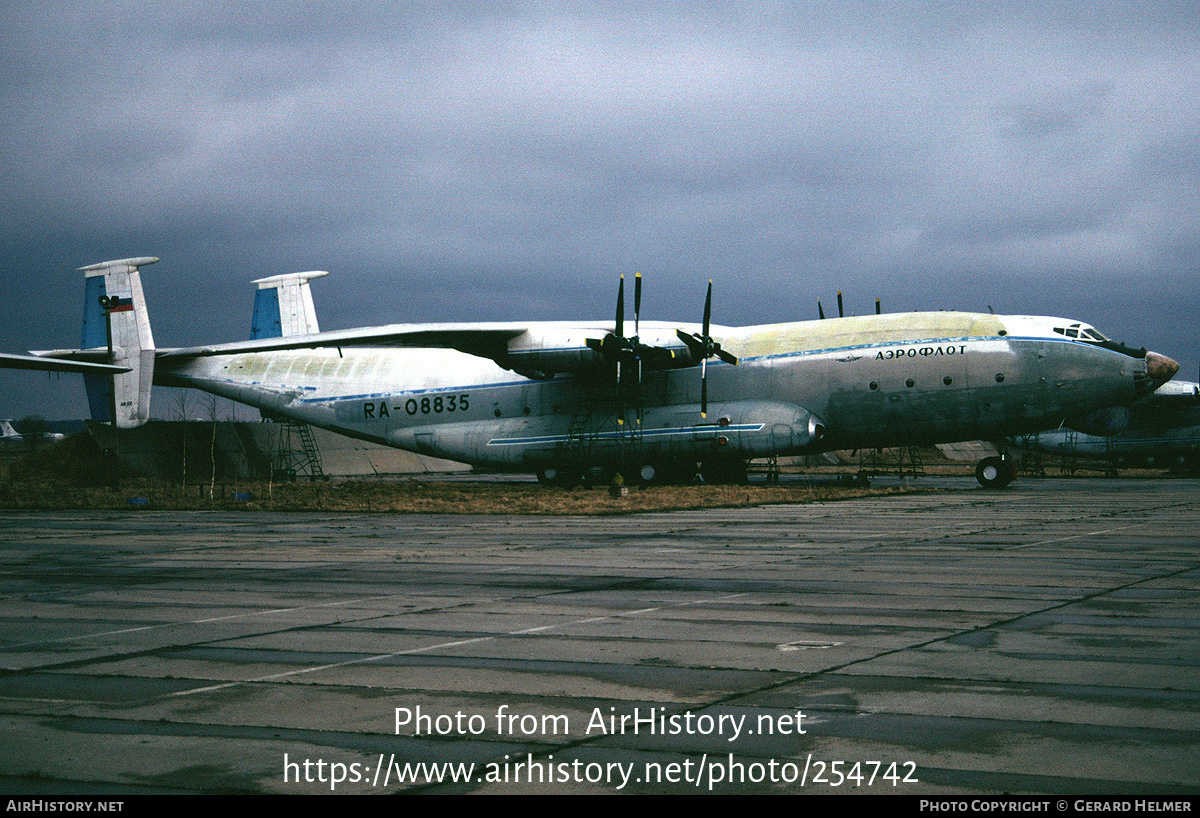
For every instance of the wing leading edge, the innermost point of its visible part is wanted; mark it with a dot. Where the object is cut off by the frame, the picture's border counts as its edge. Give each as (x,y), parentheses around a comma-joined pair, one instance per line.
(49,364)
(485,340)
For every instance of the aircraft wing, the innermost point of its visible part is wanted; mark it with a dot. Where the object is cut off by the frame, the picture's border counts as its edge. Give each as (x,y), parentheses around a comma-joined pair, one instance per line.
(537,350)
(47,362)
(485,340)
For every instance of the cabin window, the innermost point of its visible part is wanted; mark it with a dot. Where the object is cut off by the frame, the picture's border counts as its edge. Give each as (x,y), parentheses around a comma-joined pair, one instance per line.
(947,380)
(999,377)
(910,383)
(873,384)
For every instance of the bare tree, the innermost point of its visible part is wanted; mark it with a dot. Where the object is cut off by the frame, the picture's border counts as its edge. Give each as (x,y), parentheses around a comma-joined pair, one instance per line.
(209,402)
(181,405)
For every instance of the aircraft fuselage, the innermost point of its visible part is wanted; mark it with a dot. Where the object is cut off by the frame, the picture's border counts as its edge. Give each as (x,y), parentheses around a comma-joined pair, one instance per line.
(873,381)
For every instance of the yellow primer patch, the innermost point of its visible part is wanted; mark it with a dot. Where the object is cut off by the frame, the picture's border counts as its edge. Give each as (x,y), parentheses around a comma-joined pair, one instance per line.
(833,333)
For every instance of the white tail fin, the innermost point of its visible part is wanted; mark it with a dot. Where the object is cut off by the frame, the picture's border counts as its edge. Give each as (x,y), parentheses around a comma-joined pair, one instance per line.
(9,433)
(113,303)
(283,306)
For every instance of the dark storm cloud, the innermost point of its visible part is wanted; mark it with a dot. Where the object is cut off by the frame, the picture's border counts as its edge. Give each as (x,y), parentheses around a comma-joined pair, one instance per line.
(505,161)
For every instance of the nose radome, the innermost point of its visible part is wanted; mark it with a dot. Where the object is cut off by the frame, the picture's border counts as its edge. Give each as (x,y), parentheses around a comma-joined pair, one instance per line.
(1160,368)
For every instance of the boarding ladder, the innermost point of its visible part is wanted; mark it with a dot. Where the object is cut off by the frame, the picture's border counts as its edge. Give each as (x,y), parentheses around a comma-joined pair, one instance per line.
(298,454)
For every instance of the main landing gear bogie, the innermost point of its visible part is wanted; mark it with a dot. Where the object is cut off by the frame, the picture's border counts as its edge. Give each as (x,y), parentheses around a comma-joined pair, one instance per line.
(662,473)
(645,473)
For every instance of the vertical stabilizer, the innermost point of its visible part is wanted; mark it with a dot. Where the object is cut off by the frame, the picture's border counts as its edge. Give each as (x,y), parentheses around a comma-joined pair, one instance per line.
(283,306)
(113,296)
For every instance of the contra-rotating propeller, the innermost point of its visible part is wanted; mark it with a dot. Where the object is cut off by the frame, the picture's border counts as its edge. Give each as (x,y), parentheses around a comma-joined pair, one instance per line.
(702,347)
(621,351)
(628,355)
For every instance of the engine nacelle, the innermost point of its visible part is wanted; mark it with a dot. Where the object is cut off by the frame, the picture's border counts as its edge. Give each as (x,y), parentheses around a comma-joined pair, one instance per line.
(547,351)
(749,429)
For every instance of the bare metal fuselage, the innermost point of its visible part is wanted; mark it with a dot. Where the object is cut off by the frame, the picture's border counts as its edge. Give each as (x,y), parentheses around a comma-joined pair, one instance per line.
(873,381)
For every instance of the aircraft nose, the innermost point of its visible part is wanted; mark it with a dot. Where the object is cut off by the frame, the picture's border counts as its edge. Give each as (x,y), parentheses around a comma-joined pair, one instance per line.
(1160,368)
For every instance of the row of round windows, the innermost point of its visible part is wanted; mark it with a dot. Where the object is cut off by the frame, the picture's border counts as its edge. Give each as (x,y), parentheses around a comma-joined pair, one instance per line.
(948,381)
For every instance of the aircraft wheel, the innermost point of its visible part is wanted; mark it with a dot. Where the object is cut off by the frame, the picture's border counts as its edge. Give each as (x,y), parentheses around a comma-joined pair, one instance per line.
(649,474)
(995,472)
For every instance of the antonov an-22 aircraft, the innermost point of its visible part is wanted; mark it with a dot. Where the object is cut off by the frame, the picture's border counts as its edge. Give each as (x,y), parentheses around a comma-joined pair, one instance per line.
(562,399)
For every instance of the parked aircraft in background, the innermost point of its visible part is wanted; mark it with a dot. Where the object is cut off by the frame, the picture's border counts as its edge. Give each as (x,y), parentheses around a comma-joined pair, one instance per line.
(563,398)
(1163,431)
(11,435)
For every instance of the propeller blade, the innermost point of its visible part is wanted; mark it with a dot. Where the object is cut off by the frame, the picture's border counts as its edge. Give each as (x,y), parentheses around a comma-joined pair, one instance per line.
(877,312)
(704,388)
(820,310)
(707,309)
(840,313)
(621,309)
(637,303)
(691,342)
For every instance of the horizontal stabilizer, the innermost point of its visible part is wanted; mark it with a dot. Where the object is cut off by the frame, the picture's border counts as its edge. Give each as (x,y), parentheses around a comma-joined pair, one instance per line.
(56,364)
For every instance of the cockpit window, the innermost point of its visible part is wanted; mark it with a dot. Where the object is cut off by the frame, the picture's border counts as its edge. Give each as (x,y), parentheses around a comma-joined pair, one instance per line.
(1080,331)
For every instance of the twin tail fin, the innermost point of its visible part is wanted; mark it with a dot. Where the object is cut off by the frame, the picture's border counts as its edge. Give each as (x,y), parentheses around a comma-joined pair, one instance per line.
(115,318)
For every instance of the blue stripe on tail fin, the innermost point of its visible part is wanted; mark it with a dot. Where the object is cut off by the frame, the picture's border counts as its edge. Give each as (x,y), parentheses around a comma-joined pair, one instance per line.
(266,315)
(95,335)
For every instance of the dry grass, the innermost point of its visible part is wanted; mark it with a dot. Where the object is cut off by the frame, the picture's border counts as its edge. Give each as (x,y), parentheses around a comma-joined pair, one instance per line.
(73,475)
(418,497)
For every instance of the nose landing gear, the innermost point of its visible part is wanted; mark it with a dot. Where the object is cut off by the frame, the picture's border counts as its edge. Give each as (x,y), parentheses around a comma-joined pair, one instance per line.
(996,472)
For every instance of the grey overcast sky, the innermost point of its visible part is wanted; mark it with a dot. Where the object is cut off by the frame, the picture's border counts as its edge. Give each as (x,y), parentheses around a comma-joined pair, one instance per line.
(507,161)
